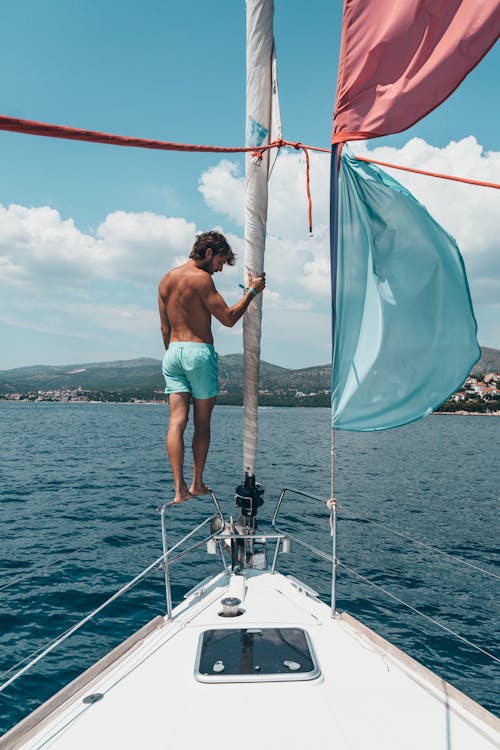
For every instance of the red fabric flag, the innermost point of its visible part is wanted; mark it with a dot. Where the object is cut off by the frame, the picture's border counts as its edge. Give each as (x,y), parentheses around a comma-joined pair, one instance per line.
(399,59)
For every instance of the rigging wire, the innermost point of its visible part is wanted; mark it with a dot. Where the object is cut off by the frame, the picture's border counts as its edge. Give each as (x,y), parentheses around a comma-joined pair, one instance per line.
(423,544)
(418,612)
(33,654)
(39,653)
(42,569)
(271,168)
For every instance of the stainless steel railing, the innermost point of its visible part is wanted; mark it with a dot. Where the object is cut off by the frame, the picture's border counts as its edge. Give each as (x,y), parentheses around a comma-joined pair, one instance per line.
(163,561)
(168,552)
(167,559)
(220,537)
(332,507)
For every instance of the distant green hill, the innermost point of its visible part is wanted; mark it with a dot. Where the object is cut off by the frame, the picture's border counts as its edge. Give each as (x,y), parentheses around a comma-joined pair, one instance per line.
(489,362)
(145,374)
(120,375)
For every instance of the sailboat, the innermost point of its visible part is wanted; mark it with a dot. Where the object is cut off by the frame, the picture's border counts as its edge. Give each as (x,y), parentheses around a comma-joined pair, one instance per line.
(253,657)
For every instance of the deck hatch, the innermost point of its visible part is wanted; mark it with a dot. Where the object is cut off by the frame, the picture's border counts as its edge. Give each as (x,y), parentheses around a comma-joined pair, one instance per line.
(255,654)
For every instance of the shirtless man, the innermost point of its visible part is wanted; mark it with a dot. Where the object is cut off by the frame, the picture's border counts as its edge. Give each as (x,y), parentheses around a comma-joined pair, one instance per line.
(187,299)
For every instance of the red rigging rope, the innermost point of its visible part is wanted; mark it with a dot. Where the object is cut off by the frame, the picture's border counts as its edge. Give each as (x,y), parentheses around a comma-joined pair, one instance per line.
(16,125)
(441,176)
(30,127)
(297,146)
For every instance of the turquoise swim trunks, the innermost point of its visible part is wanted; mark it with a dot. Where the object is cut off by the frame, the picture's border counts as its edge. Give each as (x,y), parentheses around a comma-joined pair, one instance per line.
(190,367)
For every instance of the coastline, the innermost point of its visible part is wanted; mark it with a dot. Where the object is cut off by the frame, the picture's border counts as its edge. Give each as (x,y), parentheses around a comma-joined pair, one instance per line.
(471,413)
(460,413)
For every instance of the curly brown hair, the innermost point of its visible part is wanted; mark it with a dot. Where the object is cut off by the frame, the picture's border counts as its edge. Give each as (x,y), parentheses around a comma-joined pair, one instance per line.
(217,242)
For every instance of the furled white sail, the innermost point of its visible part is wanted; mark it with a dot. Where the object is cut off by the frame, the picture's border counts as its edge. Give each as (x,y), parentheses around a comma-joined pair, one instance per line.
(262,127)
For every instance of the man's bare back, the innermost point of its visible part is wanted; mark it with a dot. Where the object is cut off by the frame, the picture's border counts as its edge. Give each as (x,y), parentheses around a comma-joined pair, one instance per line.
(187,300)
(181,292)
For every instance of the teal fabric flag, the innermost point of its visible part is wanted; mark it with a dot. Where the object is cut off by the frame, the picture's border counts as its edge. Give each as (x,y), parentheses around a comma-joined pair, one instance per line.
(405,332)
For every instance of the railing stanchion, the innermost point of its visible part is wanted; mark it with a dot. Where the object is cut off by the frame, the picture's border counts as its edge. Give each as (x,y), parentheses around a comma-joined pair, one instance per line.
(333,517)
(275,557)
(331,504)
(224,563)
(166,569)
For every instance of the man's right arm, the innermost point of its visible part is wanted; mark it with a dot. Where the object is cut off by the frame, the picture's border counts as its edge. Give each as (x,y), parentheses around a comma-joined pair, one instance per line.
(216,305)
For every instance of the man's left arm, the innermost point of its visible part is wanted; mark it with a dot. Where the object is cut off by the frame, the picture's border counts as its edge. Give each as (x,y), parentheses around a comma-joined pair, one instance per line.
(217,307)
(165,325)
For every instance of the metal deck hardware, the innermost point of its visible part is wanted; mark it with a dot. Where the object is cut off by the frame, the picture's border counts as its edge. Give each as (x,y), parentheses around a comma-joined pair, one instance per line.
(226,536)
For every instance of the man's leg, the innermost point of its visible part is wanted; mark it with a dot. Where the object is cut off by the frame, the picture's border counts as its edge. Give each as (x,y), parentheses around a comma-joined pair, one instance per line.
(179,412)
(202,410)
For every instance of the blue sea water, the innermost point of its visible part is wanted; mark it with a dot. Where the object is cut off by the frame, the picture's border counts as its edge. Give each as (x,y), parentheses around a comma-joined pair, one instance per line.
(79,488)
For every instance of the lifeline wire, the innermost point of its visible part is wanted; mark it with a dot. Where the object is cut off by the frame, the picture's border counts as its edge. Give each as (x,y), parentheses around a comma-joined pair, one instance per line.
(44,568)
(32,655)
(44,650)
(423,544)
(40,653)
(418,612)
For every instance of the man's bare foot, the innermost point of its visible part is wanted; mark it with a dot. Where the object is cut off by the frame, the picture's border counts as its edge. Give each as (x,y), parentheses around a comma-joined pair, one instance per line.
(199,489)
(182,495)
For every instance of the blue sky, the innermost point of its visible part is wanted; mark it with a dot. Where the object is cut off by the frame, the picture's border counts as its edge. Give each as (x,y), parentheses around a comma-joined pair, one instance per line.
(86,230)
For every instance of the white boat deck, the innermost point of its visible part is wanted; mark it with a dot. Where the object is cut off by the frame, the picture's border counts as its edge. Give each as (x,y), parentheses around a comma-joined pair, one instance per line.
(369,694)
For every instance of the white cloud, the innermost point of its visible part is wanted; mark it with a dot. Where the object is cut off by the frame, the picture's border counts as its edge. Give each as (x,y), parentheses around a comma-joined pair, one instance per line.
(40,249)
(317,275)
(276,301)
(142,246)
(36,244)
(223,189)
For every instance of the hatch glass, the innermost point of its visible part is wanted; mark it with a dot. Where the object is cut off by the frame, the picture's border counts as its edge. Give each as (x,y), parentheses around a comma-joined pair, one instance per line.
(255,654)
